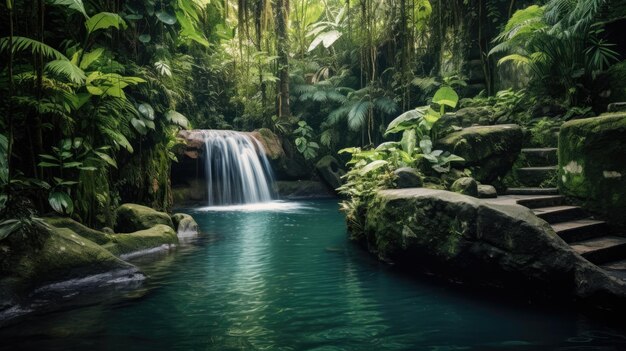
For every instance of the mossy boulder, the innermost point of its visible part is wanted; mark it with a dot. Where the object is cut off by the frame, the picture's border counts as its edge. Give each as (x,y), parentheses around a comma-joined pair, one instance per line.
(330,171)
(160,235)
(46,254)
(498,246)
(407,177)
(466,186)
(133,217)
(592,165)
(184,223)
(489,151)
(98,237)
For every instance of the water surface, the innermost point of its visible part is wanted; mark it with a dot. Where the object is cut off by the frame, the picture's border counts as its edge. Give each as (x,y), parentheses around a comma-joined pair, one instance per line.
(285,277)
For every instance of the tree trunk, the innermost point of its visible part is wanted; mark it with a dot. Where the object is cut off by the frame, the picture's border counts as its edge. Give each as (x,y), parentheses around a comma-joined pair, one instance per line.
(282,46)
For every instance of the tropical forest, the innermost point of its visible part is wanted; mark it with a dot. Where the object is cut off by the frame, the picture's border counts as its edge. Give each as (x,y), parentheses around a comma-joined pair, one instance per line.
(312,175)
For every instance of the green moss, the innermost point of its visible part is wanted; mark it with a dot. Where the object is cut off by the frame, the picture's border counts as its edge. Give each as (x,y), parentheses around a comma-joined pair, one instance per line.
(592,165)
(141,240)
(96,236)
(133,217)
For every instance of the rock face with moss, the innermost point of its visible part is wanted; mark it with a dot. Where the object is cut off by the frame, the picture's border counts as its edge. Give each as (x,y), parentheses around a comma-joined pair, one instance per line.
(133,217)
(47,254)
(469,240)
(489,151)
(184,224)
(592,165)
(157,237)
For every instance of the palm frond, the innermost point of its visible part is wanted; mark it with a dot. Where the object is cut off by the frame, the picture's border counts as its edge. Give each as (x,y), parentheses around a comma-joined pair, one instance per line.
(67,69)
(35,47)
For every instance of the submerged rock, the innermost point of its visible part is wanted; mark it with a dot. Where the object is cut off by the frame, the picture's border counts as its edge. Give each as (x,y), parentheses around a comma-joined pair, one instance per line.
(469,240)
(489,151)
(184,223)
(465,186)
(592,165)
(133,217)
(329,170)
(407,177)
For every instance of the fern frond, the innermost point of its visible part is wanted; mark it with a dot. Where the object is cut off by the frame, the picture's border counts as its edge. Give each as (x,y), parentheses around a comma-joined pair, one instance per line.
(35,47)
(66,69)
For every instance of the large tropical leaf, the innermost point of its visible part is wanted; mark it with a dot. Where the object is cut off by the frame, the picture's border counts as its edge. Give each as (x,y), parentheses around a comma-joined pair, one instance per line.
(8,226)
(446,96)
(104,20)
(177,119)
(61,202)
(76,5)
(372,166)
(406,120)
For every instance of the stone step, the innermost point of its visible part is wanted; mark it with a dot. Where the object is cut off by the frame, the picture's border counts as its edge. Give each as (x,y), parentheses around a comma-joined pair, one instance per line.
(557,214)
(534,176)
(616,268)
(532,191)
(536,157)
(602,250)
(581,229)
(542,201)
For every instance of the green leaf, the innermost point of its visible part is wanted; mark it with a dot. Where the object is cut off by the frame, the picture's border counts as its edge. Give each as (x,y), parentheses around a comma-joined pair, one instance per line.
(8,226)
(61,202)
(91,57)
(76,5)
(67,69)
(139,125)
(409,140)
(446,96)
(372,166)
(21,44)
(145,38)
(177,119)
(104,20)
(146,110)
(408,119)
(426,145)
(166,18)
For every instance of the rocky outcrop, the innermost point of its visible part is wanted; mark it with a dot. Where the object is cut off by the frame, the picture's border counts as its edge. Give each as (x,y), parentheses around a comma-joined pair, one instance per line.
(592,165)
(330,171)
(133,217)
(302,189)
(489,151)
(469,240)
(184,224)
(45,254)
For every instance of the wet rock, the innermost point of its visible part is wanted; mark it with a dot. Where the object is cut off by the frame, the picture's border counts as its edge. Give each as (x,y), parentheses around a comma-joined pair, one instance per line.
(330,171)
(489,151)
(184,223)
(487,192)
(407,177)
(465,186)
(498,246)
(133,217)
(159,236)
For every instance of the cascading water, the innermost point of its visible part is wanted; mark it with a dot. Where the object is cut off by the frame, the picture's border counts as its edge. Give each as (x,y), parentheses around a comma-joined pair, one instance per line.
(237,170)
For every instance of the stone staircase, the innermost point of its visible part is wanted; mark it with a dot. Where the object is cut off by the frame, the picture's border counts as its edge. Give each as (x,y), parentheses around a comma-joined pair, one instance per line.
(589,237)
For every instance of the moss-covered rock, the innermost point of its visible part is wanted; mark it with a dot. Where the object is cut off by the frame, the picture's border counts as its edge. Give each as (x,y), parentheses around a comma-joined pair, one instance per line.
(330,171)
(98,237)
(133,217)
(465,186)
(463,118)
(489,151)
(407,177)
(158,236)
(592,164)
(184,223)
(470,240)
(47,254)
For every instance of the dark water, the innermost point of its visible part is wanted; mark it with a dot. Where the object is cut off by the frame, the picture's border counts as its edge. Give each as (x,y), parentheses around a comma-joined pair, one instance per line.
(290,280)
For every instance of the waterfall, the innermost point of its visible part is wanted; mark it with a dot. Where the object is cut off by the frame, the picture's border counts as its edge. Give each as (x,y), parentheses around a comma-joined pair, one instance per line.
(237,170)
